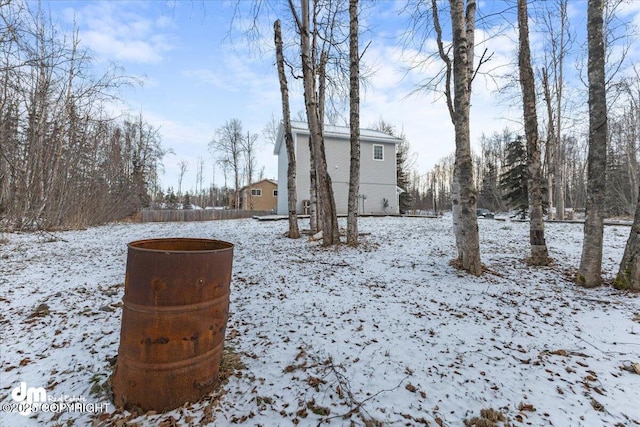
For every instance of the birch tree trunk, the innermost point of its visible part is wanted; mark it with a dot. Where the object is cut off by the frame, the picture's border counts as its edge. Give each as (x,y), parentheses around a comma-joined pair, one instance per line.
(465,199)
(354,122)
(294,232)
(313,191)
(628,276)
(327,217)
(539,254)
(248,146)
(549,156)
(560,180)
(331,221)
(589,273)
(559,82)
(559,42)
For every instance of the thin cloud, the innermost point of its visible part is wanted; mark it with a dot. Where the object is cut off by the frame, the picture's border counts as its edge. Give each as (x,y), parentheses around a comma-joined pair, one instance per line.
(119,31)
(207,77)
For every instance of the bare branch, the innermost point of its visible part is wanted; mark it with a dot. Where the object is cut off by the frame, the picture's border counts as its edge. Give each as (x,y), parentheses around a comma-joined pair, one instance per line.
(445,58)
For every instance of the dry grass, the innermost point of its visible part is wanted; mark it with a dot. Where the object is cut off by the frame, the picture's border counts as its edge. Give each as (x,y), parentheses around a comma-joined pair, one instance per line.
(488,418)
(230,365)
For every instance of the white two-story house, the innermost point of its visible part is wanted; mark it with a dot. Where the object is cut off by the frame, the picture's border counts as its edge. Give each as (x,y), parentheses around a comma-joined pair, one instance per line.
(378,190)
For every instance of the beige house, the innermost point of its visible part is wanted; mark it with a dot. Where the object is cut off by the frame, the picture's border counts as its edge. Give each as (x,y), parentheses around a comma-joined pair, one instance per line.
(260,196)
(378,189)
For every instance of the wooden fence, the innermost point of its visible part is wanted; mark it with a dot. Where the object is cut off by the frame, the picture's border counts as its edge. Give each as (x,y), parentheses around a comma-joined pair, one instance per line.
(177,215)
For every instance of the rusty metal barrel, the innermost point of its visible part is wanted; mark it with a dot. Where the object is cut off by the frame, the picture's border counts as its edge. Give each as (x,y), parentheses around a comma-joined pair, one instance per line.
(174,316)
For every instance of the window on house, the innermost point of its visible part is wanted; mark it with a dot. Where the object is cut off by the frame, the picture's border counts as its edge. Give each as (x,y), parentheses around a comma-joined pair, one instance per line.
(378,152)
(256,192)
(275,193)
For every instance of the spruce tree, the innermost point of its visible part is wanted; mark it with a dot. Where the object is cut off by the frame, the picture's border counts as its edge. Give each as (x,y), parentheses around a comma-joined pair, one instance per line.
(171,200)
(513,182)
(158,200)
(489,196)
(402,180)
(186,204)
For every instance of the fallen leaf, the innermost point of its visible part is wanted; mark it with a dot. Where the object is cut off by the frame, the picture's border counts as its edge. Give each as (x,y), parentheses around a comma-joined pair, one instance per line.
(597,405)
(526,407)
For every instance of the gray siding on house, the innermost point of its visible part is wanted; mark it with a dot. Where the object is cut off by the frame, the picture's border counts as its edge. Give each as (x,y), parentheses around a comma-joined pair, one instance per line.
(303,181)
(282,180)
(377,177)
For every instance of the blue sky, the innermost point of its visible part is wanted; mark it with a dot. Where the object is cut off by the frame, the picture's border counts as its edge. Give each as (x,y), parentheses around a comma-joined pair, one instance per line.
(199,72)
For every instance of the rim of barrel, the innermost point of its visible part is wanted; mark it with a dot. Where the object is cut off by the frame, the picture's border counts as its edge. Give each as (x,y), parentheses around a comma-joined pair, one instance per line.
(220,245)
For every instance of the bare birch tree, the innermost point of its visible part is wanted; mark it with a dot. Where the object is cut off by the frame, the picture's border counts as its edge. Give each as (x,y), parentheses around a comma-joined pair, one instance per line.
(589,272)
(294,232)
(354,123)
(227,149)
(249,145)
(556,25)
(200,181)
(183,165)
(551,143)
(326,203)
(539,253)
(461,70)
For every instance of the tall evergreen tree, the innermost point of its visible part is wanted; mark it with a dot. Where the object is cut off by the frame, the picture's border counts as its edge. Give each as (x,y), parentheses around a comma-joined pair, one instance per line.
(170,199)
(513,182)
(403,164)
(186,202)
(158,199)
(489,196)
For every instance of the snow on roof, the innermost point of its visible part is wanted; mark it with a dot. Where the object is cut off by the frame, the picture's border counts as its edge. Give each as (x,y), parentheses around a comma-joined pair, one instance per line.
(273,181)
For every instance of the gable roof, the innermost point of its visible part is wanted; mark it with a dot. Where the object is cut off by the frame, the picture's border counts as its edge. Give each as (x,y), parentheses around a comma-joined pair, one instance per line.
(338,132)
(272,181)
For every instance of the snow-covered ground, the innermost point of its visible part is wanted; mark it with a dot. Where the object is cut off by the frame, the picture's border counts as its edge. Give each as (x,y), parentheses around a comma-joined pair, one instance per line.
(385,334)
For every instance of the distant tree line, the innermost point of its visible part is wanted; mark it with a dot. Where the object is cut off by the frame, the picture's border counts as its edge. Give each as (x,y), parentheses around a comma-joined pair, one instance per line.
(64,160)
(500,172)
(213,196)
